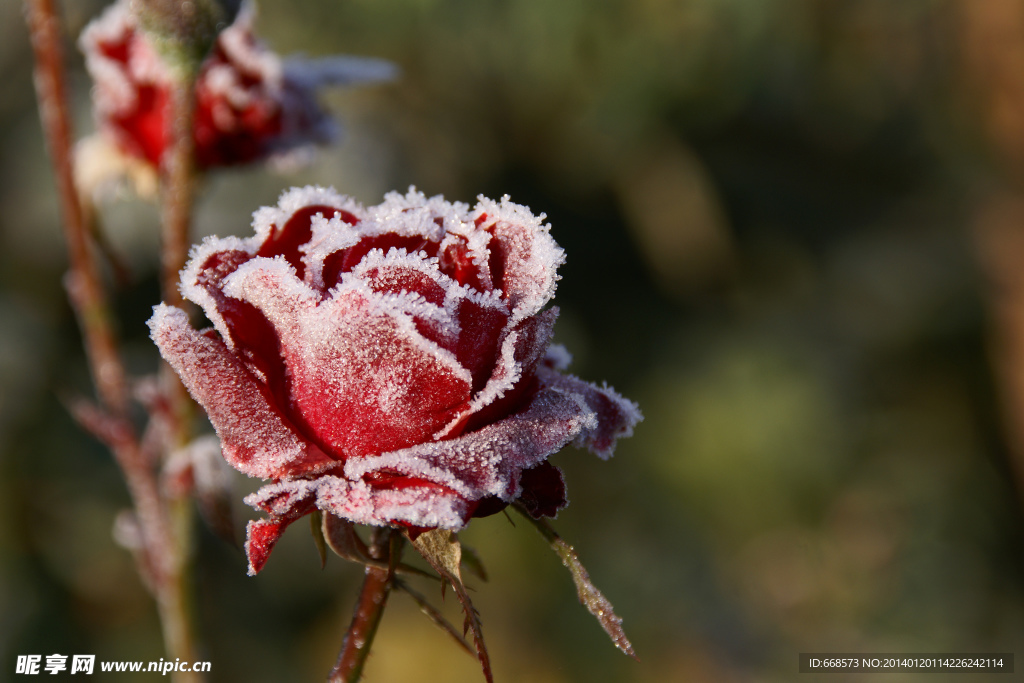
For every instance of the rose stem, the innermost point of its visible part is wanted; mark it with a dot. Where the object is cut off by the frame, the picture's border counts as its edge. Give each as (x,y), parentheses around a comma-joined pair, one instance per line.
(176,599)
(175,220)
(386,544)
(89,301)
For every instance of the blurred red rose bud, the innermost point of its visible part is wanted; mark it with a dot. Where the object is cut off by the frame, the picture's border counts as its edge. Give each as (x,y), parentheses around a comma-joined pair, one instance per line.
(250,104)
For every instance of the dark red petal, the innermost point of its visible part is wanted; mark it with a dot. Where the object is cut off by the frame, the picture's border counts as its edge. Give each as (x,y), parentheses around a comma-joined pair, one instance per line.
(142,131)
(345,260)
(543,490)
(298,230)
(489,461)
(287,502)
(456,261)
(256,437)
(523,255)
(479,322)
(261,537)
(479,339)
(489,505)
(394,277)
(532,337)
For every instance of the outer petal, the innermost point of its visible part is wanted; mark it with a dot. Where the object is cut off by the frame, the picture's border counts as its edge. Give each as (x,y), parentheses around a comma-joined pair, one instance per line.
(286,501)
(616,416)
(489,461)
(543,490)
(422,505)
(257,438)
(512,375)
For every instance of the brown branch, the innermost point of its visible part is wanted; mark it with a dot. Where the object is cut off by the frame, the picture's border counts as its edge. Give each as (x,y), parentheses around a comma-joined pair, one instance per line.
(85,290)
(386,545)
(435,616)
(178,177)
(164,523)
(176,217)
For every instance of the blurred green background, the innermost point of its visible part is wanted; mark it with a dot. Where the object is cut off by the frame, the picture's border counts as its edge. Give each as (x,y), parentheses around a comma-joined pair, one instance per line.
(794,230)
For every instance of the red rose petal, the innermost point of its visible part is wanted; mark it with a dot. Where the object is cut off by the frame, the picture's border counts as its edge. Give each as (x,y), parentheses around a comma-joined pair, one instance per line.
(285,240)
(524,257)
(256,437)
(615,416)
(490,460)
(351,356)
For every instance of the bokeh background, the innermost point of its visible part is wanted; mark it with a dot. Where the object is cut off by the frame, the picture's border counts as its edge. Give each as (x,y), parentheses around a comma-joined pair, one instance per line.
(795,236)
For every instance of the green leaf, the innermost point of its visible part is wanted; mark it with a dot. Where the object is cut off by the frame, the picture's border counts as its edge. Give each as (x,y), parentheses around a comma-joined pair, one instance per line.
(184,31)
(589,595)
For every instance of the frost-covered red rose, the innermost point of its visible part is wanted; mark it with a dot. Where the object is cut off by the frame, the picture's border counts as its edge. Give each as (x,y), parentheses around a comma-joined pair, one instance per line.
(390,365)
(250,104)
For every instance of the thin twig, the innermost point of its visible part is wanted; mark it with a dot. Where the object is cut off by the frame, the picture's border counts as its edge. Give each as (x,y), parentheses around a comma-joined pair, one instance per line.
(443,552)
(165,537)
(435,615)
(590,597)
(178,176)
(176,215)
(85,289)
(377,585)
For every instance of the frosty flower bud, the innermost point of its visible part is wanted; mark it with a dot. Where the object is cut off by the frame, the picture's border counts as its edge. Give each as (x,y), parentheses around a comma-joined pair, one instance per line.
(390,365)
(250,104)
(184,30)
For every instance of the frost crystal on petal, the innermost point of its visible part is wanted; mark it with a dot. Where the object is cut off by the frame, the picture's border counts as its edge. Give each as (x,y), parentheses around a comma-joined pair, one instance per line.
(391,365)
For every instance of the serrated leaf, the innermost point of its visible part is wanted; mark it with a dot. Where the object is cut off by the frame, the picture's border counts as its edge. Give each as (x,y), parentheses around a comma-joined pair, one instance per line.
(589,595)
(315,526)
(441,549)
